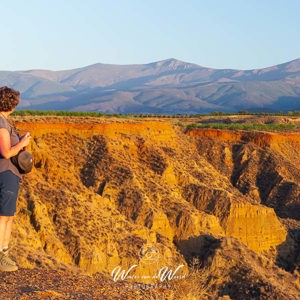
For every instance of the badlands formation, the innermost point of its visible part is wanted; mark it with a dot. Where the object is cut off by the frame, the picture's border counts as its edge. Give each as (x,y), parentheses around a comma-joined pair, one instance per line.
(220,209)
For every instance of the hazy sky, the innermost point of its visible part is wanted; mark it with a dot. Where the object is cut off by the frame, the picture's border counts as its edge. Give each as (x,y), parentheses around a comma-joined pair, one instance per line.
(65,34)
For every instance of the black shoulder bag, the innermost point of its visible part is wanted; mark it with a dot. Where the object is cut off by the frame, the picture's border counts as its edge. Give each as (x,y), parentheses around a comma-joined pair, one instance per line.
(23,161)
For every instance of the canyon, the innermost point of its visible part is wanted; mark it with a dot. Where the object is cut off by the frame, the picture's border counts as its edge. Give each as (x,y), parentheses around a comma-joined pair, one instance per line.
(109,192)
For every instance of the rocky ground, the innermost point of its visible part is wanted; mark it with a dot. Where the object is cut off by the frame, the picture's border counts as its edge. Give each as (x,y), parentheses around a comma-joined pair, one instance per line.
(40,283)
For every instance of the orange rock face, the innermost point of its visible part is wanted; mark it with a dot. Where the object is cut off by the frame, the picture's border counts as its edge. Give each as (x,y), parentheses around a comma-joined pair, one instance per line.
(101,191)
(264,167)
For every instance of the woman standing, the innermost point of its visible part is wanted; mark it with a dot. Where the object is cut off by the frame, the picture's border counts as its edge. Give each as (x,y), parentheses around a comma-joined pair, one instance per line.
(10,145)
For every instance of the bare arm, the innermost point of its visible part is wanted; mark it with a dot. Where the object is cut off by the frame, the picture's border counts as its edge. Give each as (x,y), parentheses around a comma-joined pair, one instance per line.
(6,149)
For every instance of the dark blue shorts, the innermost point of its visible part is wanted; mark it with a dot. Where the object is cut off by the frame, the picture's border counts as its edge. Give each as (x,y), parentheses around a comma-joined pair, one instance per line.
(9,188)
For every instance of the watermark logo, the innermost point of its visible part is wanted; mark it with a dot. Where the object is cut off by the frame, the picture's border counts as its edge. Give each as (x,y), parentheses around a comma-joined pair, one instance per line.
(149,254)
(165,273)
(120,274)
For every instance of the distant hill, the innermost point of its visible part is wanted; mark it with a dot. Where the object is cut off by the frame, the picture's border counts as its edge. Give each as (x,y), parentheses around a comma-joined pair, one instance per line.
(168,86)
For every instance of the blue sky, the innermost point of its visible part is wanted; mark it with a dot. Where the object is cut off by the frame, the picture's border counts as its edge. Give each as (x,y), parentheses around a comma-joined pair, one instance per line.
(66,34)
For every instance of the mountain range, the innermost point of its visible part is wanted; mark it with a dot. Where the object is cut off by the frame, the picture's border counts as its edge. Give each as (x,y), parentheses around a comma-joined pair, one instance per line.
(169,86)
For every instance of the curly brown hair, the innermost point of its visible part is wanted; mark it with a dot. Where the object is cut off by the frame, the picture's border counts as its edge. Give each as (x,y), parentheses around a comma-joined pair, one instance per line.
(9,98)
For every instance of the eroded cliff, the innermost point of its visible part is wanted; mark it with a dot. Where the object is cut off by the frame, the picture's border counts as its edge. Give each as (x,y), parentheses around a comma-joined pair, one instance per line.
(104,191)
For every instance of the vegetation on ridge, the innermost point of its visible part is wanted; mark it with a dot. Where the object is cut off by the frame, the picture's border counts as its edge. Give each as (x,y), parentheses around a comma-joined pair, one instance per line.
(103,114)
(235,126)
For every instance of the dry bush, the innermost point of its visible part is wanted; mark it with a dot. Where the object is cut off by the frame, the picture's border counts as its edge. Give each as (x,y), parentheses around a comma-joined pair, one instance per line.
(192,287)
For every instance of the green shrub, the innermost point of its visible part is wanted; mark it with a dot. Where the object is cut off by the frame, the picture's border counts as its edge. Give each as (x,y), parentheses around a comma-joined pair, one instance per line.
(140,115)
(260,127)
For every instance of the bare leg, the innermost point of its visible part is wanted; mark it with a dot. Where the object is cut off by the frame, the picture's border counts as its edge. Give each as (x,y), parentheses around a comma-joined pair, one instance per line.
(3,226)
(8,231)
(6,263)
